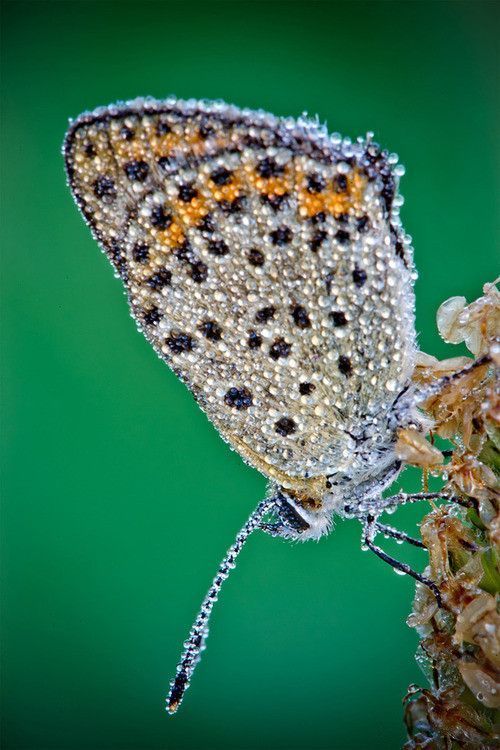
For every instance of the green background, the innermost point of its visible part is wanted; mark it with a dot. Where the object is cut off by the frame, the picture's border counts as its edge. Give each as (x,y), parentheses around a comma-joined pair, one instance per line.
(119,498)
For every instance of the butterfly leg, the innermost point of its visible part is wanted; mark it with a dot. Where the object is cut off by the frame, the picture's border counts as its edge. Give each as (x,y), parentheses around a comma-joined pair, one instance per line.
(370,531)
(274,529)
(399,535)
(416,497)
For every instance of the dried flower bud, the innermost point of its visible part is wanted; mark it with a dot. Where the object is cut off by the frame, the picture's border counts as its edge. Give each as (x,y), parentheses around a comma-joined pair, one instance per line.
(469,476)
(448,320)
(457,409)
(451,547)
(482,684)
(495,353)
(491,412)
(459,648)
(479,623)
(444,715)
(477,324)
(412,448)
(429,368)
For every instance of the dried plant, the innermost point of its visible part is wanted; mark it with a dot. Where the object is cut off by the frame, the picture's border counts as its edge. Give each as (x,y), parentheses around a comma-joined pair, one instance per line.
(459,648)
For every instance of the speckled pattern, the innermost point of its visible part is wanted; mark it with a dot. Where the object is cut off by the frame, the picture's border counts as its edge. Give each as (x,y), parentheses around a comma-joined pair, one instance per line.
(265,262)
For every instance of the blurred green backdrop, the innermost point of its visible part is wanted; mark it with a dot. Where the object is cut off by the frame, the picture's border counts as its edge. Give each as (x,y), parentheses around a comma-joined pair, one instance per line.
(118,496)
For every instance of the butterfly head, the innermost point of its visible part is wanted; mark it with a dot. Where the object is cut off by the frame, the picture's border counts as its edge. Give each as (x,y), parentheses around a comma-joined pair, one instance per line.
(304,507)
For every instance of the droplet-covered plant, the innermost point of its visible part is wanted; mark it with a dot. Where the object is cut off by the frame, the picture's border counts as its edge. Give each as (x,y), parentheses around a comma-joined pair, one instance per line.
(459,648)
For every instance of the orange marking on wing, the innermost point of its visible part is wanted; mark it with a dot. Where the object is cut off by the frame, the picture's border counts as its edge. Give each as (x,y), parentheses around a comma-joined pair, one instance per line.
(269,185)
(330,200)
(171,237)
(222,141)
(197,145)
(126,151)
(228,192)
(164,145)
(193,212)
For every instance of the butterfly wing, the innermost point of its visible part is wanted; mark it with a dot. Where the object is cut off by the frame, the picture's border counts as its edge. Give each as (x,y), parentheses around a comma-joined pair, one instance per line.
(264,261)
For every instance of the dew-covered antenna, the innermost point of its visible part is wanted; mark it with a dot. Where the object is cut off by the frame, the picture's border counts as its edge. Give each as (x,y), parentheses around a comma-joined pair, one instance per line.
(199,631)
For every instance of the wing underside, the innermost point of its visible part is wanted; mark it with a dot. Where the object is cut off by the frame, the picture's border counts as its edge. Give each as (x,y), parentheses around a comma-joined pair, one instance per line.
(265,263)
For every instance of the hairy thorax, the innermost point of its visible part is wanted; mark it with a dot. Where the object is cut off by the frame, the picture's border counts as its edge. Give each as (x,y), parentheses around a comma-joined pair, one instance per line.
(307,504)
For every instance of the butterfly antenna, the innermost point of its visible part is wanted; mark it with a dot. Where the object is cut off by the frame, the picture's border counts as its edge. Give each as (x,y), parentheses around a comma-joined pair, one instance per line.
(195,643)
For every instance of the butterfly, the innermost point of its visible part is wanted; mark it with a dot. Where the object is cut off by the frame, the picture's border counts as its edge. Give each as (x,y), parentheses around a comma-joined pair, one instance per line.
(265,262)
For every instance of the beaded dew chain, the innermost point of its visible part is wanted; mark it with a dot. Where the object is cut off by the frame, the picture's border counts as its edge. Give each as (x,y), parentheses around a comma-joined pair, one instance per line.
(265,261)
